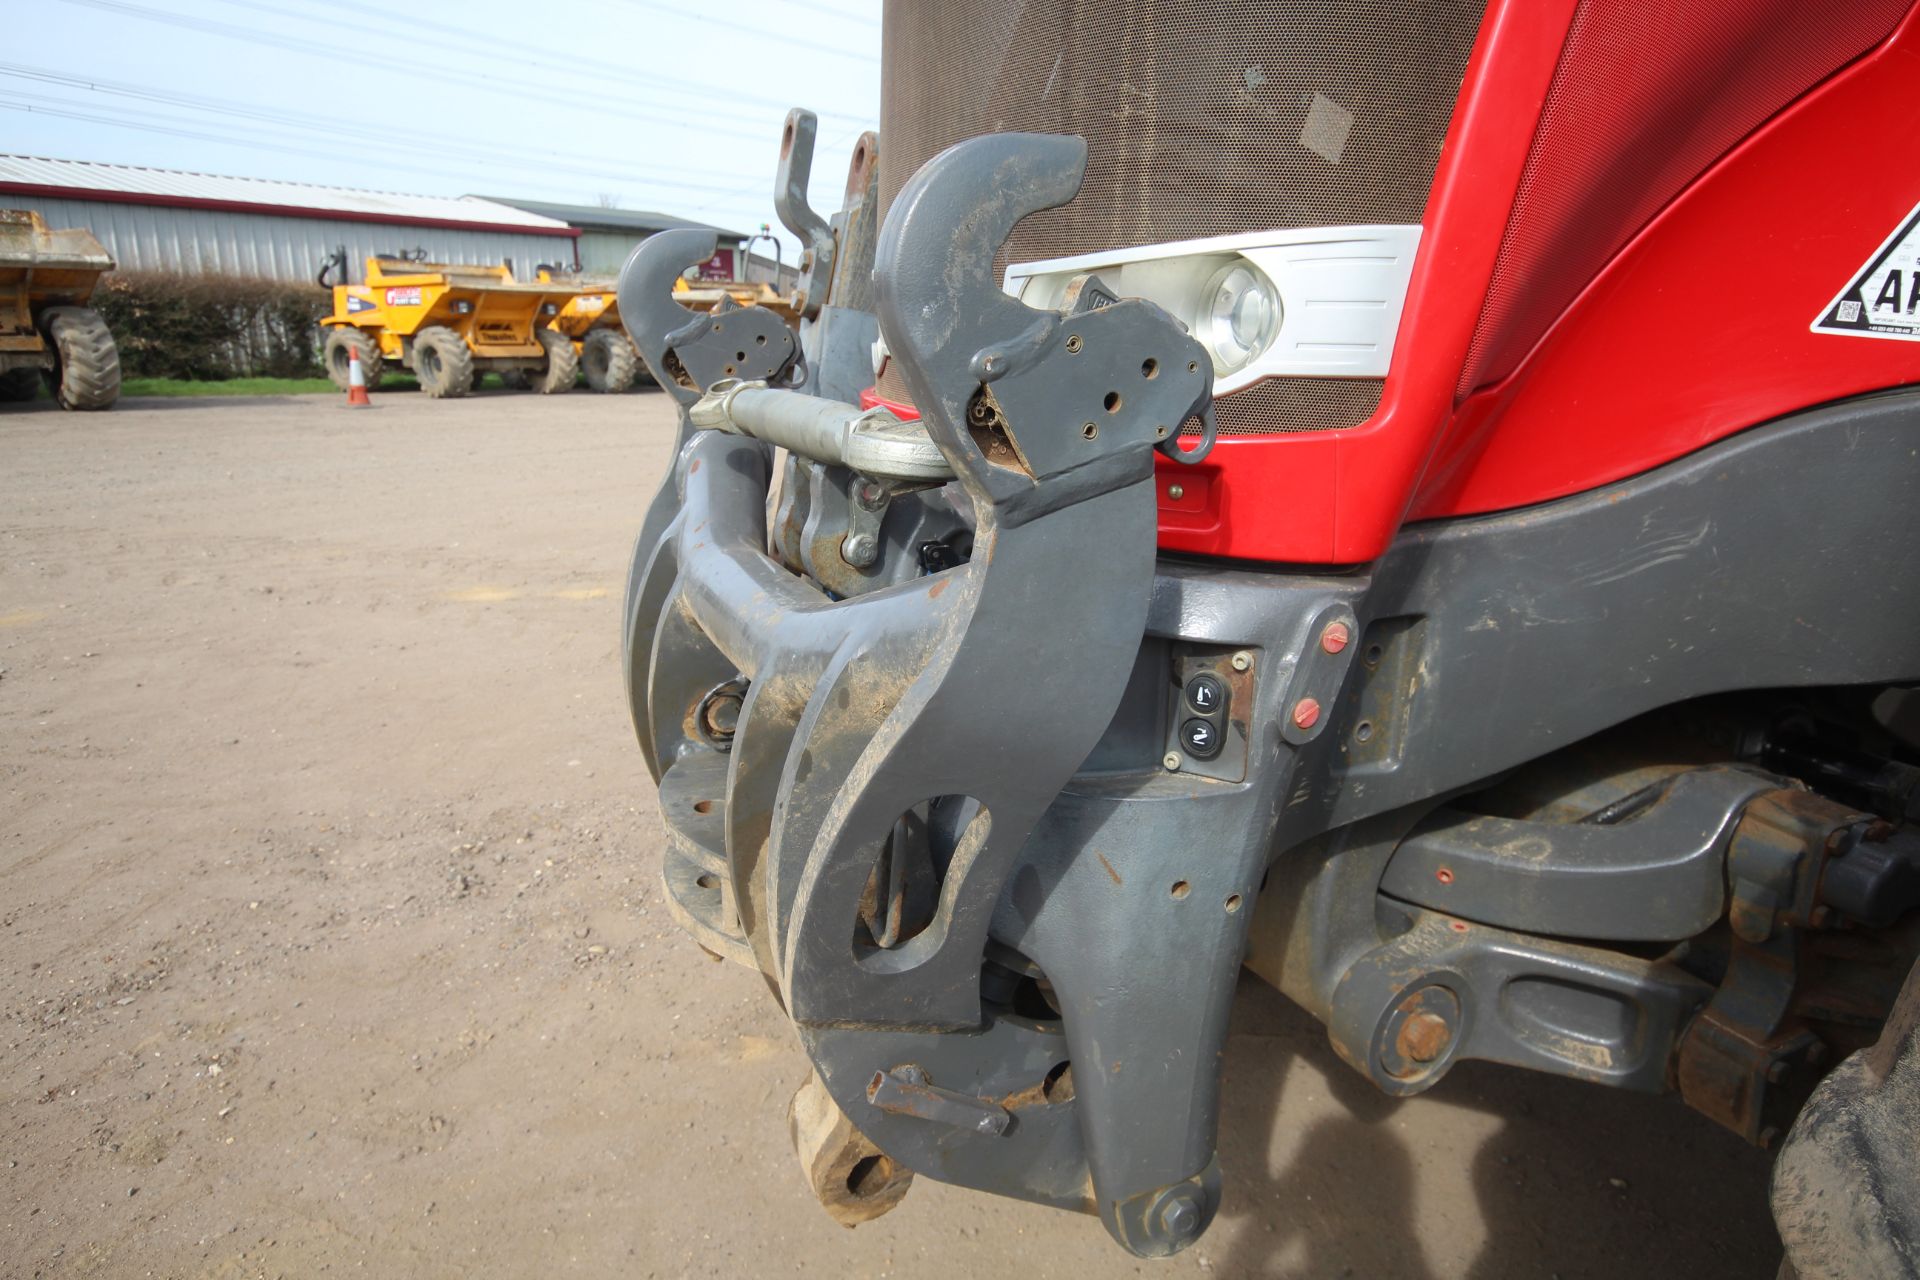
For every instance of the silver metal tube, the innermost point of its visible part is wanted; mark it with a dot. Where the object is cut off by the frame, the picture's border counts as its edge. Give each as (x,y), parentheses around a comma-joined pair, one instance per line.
(873,442)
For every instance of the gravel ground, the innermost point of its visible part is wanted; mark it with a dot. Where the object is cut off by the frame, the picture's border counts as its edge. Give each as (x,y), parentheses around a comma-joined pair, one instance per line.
(330,941)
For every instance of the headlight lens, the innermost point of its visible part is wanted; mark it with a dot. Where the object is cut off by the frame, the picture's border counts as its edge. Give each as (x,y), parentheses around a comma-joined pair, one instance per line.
(1240,313)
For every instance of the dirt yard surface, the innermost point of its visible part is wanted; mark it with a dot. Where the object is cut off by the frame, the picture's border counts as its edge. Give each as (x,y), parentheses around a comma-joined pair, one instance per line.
(331,944)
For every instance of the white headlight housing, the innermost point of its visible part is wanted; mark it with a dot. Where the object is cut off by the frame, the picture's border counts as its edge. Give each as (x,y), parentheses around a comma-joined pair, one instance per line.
(1241,315)
(1322,302)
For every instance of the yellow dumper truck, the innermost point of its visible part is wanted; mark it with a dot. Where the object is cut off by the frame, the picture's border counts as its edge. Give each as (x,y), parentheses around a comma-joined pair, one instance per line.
(591,319)
(46,329)
(448,323)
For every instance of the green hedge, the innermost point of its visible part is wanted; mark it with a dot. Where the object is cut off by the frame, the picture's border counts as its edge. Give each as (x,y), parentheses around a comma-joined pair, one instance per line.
(211,328)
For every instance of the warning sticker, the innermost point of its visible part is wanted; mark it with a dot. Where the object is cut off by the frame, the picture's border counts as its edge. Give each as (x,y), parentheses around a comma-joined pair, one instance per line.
(404,297)
(357,303)
(1883,299)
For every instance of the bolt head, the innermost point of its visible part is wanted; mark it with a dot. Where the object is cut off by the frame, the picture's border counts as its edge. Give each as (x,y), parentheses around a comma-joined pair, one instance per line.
(1306,713)
(1172,761)
(1335,637)
(1180,1217)
(1424,1037)
(860,550)
(1176,492)
(1243,661)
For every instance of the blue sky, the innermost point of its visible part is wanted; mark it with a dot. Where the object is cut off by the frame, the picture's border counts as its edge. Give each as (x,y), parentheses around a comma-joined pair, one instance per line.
(673,105)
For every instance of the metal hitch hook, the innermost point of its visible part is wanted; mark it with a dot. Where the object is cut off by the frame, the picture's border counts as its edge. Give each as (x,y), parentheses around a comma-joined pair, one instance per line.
(687,350)
(1016,397)
(795,174)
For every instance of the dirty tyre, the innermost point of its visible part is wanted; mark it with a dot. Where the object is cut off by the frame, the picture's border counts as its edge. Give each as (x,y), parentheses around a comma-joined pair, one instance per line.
(442,363)
(19,385)
(608,360)
(87,368)
(562,363)
(516,380)
(339,343)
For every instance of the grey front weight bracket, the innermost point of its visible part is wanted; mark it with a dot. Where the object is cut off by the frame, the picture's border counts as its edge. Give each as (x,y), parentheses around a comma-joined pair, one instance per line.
(913,737)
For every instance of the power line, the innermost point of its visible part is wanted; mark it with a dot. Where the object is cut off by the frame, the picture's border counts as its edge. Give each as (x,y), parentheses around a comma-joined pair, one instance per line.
(362,57)
(836,13)
(842,141)
(187,129)
(784,37)
(334,127)
(724,101)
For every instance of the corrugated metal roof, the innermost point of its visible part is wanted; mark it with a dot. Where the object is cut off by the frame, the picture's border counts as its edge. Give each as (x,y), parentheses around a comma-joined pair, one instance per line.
(594,217)
(173,184)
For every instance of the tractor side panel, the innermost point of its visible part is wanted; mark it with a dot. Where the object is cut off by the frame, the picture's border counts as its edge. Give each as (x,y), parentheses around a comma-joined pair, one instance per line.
(1599,81)
(1704,325)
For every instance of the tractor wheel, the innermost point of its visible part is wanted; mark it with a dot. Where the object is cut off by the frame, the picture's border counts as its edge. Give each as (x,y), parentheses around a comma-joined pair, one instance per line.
(516,380)
(87,369)
(340,341)
(19,385)
(562,363)
(608,360)
(442,363)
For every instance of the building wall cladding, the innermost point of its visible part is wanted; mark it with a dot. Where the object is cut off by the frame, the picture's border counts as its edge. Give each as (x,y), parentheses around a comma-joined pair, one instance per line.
(276,246)
(603,253)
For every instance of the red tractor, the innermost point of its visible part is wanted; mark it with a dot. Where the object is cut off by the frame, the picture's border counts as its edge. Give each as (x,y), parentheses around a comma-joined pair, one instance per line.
(1415,498)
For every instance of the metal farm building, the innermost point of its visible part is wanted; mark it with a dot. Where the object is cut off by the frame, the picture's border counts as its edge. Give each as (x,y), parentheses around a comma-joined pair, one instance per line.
(166,220)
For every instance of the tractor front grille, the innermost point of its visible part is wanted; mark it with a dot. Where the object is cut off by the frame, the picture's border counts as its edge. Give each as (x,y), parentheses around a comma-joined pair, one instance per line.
(1201,119)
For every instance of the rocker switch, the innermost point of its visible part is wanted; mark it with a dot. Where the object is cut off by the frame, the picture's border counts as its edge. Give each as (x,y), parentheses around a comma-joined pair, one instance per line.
(1206,695)
(1201,738)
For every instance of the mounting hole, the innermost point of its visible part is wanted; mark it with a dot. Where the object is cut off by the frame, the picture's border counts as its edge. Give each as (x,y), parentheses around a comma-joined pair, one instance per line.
(707,880)
(1363,731)
(716,328)
(740,356)
(1073,344)
(1193,366)
(869,1175)
(759,340)
(1444,875)
(1373,655)
(1058,1086)
(1180,889)
(1149,368)
(1091,430)
(1112,402)
(1233,903)
(703,806)
(728,369)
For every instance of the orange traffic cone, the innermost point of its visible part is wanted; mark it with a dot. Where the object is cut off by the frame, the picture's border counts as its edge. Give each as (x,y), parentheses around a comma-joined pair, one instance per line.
(356,382)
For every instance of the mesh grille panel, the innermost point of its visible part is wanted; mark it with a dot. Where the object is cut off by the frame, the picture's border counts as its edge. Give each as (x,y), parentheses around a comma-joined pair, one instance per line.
(1298,404)
(1193,113)
(1201,119)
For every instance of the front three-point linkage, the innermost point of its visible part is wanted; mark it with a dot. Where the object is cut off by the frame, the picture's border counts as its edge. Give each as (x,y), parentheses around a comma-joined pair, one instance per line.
(894,748)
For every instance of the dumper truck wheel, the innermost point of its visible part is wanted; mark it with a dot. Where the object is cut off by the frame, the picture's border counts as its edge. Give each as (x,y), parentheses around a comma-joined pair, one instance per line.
(562,363)
(372,364)
(18,385)
(608,360)
(87,368)
(442,363)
